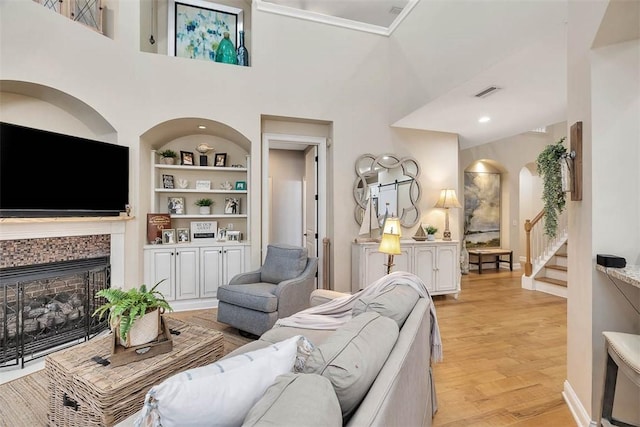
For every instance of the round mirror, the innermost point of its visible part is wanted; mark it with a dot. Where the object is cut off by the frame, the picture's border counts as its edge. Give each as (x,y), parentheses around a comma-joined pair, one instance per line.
(392,185)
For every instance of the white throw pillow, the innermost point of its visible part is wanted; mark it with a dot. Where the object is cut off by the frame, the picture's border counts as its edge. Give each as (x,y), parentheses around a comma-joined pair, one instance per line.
(214,398)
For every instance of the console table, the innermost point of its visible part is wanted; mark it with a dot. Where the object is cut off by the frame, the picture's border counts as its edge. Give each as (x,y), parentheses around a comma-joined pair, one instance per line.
(491,255)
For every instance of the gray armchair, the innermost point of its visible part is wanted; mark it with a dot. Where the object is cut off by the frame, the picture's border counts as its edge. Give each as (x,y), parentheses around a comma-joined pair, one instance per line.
(253,301)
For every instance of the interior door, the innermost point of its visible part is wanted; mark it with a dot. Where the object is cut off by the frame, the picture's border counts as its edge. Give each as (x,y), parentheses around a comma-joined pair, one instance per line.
(311,201)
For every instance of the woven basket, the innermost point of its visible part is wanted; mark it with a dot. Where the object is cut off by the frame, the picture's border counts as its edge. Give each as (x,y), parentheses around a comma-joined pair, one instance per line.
(144,330)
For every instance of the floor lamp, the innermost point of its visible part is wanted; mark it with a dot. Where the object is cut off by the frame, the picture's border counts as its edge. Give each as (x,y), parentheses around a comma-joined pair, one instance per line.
(447,200)
(390,242)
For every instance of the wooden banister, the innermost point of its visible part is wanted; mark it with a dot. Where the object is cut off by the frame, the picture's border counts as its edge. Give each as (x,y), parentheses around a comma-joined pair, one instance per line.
(528,226)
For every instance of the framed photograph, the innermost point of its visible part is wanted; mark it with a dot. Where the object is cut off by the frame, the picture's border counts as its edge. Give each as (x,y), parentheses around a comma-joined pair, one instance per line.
(221,159)
(183,235)
(233,236)
(169,236)
(222,234)
(167,181)
(204,231)
(232,205)
(196,28)
(186,158)
(241,185)
(203,185)
(176,205)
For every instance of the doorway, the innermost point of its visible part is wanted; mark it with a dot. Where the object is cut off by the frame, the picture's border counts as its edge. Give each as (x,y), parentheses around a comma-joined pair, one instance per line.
(293,195)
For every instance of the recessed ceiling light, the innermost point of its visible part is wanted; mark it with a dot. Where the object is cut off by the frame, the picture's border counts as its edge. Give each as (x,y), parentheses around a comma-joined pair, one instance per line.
(202,127)
(484,119)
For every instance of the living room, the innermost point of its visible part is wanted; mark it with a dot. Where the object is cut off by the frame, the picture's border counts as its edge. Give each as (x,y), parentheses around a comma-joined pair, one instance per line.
(66,78)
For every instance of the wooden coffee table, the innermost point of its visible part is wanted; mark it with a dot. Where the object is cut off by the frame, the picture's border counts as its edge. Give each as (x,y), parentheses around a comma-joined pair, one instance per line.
(83,392)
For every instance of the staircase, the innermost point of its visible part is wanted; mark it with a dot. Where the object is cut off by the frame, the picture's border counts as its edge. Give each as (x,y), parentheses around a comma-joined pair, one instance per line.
(552,277)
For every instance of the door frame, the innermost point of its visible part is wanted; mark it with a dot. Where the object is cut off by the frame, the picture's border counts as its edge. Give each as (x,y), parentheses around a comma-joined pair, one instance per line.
(282,141)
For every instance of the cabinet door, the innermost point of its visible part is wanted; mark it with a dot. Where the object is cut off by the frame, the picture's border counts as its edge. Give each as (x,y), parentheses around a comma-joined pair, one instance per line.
(210,271)
(233,262)
(375,263)
(425,265)
(446,270)
(187,267)
(159,265)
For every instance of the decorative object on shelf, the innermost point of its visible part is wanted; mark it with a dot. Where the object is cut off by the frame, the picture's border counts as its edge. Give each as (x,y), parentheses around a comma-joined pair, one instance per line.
(167,181)
(222,234)
(205,206)
(127,209)
(169,236)
(204,149)
(233,236)
(156,222)
(204,231)
(243,53)
(176,205)
(183,183)
(226,186)
(203,184)
(168,156)
(369,223)
(482,209)
(431,232)
(134,315)
(186,158)
(221,160)
(420,235)
(241,185)
(226,52)
(183,235)
(196,28)
(390,243)
(232,205)
(447,200)
(549,168)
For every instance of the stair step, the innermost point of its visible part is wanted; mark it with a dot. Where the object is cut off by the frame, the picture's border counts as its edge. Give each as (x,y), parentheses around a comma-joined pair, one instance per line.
(552,281)
(560,254)
(556,267)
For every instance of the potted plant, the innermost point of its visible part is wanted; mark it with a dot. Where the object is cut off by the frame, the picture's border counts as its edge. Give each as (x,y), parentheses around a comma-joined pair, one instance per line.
(549,168)
(168,156)
(431,232)
(134,315)
(205,206)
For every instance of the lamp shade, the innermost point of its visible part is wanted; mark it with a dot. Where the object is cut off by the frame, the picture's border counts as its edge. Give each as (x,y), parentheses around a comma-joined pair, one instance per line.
(392,226)
(448,199)
(390,244)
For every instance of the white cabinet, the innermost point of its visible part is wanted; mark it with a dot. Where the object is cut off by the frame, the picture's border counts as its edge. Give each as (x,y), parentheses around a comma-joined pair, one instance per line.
(192,272)
(436,263)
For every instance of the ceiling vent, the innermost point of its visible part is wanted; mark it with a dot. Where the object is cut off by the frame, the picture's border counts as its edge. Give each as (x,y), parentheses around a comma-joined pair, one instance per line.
(486,92)
(395,10)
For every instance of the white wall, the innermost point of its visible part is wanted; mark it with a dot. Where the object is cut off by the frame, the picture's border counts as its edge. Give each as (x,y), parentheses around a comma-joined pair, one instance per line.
(286,171)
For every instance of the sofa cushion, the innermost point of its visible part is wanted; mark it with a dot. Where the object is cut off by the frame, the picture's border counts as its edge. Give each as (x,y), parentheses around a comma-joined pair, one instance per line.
(255,296)
(295,400)
(207,396)
(283,262)
(395,303)
(353,355)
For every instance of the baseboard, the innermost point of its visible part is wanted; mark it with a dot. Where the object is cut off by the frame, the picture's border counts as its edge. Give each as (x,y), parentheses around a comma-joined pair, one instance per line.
(578,411)
(193,304)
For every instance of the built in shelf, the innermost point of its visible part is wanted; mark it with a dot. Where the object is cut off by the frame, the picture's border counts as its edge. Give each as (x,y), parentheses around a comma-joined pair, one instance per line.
(65,219)
(629,274)
(200,168)
(200,216)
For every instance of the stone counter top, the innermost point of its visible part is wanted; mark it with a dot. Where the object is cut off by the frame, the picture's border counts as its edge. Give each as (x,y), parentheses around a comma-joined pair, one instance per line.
(629,274)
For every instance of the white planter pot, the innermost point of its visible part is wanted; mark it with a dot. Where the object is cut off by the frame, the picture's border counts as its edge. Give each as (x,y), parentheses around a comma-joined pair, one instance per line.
(431,237)
(205,210)
(168,160)
(144,330)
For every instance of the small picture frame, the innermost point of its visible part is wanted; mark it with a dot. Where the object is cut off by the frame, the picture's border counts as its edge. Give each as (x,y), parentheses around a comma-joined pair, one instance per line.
(221,160)
(203,185)
(176,205)
(186,158)
(232,205)
(203,231)
(222,234)
(241,185)
(183,235)
(167,181)
(233,236)
(168,236)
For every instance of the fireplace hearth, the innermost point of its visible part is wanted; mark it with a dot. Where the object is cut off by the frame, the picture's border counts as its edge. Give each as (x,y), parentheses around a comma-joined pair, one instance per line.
(44,307)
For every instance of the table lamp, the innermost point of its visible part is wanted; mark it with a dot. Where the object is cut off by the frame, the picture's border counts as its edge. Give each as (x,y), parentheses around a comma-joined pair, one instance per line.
(447,200)
(390,242)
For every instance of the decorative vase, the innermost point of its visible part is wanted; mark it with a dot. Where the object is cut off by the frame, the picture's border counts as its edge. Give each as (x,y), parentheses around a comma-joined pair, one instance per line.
(144,330)
(464,258)
(243,53)
(205,210)
(226,52)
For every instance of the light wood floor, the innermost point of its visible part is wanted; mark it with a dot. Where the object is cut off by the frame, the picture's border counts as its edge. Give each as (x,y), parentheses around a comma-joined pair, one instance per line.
(504,355)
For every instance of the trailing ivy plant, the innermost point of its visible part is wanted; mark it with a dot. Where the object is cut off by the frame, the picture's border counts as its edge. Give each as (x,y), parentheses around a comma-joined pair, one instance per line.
(549,169)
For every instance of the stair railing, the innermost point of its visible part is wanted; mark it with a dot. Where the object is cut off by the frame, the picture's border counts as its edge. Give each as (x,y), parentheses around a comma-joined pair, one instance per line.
(539,247)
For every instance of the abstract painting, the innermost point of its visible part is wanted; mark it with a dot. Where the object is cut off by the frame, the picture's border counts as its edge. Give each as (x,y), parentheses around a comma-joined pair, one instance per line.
(482,209)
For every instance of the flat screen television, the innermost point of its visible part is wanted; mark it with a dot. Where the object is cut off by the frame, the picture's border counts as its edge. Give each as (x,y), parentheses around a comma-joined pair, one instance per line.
(47,174)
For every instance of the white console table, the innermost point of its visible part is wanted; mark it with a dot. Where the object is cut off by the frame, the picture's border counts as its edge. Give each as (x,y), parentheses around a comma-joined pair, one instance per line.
(437,263)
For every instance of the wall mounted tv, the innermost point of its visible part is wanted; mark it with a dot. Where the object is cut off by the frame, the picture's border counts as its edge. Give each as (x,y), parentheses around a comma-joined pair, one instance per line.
(46,174)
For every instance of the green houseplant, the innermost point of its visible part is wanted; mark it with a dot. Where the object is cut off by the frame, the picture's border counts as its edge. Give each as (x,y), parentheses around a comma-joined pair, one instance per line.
(168,156)
(549,168)
(431,231)
(127,308)
(205,205)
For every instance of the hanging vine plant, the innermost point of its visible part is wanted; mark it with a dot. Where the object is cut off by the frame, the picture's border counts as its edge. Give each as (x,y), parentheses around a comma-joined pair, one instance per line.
(553,196)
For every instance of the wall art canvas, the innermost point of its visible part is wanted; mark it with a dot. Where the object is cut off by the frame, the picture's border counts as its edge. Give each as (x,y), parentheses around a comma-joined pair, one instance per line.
(482,209)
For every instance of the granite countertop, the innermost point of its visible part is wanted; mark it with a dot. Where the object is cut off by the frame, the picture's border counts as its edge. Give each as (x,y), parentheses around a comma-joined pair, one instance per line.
(629,274)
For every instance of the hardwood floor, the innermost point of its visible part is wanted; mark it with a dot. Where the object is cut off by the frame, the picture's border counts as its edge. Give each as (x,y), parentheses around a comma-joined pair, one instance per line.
(504,355)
